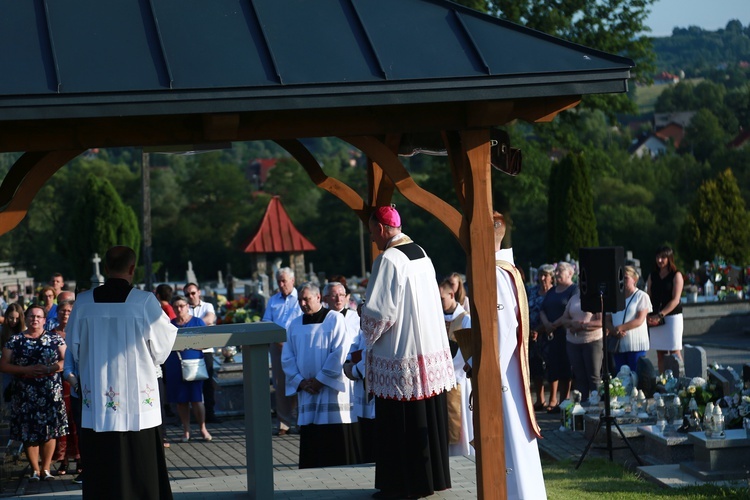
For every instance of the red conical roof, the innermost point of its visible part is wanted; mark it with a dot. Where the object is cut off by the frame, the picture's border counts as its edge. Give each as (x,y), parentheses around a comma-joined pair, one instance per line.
(277,234)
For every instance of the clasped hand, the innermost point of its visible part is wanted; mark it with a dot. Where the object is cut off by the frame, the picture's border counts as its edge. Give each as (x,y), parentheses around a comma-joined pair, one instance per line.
(311,386)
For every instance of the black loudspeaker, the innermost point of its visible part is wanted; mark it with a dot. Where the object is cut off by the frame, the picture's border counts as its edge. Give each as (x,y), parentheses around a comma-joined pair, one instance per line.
(602,275)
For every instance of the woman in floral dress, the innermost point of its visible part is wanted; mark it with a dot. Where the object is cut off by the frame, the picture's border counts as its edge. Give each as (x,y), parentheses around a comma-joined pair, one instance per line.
(35,358)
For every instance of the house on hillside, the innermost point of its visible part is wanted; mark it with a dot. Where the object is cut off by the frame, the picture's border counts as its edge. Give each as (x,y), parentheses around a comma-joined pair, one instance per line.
(681,118)
(649,144)
(257,171)
(665,78)
(673,133)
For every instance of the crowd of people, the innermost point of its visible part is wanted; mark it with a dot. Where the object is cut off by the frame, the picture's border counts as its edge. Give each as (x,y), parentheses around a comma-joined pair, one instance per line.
(48,406)
(389,383)
(375,384)
(567,343)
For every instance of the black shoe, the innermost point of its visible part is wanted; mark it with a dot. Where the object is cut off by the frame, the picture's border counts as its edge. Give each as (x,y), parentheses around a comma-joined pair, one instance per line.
(78,479)
(213,419)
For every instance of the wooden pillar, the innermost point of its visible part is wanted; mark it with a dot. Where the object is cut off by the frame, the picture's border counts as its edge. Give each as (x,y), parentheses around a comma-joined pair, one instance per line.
(488,405)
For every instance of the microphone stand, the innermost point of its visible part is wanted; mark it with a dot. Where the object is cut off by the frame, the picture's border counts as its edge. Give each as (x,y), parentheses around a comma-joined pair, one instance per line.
(606,417)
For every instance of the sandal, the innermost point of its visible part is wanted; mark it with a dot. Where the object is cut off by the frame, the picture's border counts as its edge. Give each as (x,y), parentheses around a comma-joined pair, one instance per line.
(540,406)
(553,409)
(62,469)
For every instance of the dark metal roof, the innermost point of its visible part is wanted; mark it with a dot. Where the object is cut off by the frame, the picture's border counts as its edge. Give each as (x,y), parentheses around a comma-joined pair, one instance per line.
(277,233)
(88,58)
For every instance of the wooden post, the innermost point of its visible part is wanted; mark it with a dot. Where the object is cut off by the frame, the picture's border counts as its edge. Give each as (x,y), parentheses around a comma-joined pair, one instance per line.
(488,405)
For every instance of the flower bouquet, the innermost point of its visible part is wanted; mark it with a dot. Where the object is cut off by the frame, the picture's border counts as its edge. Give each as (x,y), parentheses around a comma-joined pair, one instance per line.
(244,310)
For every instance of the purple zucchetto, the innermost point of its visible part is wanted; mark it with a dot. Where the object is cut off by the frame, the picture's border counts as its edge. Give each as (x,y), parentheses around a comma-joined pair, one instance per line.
(388,216)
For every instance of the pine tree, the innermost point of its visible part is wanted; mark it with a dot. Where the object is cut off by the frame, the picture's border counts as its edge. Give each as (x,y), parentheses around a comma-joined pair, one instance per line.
(718,223)
(99,220)
(571,223)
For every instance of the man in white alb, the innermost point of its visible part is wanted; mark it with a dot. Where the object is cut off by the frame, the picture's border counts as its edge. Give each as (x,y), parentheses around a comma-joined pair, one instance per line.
(524,479)
(313,358)
(117,336)
(409,364)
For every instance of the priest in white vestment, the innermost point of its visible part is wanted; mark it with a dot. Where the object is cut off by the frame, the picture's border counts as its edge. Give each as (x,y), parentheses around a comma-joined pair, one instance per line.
(118,336)
(524,479)
(313,359)
(409,364)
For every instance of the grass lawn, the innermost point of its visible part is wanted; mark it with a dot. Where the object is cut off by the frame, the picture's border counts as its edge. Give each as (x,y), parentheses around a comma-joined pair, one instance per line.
(599,479)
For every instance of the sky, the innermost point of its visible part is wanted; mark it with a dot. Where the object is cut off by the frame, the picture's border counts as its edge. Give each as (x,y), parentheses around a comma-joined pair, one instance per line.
(708,14)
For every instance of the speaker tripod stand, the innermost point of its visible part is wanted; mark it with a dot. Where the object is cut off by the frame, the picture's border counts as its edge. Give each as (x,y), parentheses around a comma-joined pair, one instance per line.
(605,418)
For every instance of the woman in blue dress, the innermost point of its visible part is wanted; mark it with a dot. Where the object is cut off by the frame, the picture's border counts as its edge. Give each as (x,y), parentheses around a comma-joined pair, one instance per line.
(185,394)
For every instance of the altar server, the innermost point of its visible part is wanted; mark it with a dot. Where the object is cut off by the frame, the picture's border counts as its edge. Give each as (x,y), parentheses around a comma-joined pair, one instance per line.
(118,335)
(312,359)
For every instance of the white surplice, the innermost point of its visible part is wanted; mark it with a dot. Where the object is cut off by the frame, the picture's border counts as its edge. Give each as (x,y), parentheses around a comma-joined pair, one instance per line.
(467,426)
(318,350)
(407,359)
(524,479)
(117,347)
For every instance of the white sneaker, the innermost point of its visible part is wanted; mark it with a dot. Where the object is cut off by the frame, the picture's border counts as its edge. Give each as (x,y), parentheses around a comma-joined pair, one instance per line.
(46,476)
(34,476)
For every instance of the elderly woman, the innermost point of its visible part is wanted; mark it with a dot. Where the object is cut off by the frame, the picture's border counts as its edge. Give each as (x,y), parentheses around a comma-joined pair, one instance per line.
(184,393)
(553,308)
(536,294)
(665,289)
(35,358)
(585,346)
(628,327)
(67,446)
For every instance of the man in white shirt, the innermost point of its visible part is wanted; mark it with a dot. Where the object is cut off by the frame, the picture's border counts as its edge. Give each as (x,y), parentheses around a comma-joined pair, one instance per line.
(282,308)
(313,358)
(206,312)
(117,336)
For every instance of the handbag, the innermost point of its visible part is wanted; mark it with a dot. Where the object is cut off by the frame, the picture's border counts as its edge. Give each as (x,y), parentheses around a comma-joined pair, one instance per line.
(193,370)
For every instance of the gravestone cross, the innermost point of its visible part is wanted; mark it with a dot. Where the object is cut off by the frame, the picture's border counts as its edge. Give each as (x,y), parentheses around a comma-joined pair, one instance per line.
(674,363)
(96,278)
(695,361)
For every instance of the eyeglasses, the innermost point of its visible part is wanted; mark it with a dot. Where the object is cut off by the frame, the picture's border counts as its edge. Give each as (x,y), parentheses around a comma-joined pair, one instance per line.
(36,317)
(338,296)
(192,293)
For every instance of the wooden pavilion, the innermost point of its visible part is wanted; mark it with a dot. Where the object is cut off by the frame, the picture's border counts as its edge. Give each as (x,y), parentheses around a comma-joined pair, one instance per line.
(81,74)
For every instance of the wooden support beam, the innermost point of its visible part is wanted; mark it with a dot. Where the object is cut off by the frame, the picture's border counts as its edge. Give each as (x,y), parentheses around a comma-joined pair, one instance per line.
(24,180)
(334,186)
(489,439)
(389,162)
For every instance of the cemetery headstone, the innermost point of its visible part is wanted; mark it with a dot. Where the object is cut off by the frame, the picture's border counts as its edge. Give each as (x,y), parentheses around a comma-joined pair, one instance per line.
(722,380)
(646,376)
(674,363)
(696,364)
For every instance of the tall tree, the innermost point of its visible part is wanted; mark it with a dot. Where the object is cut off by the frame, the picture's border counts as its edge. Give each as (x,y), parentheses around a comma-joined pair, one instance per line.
(98,221)
(718,223)
(572,222)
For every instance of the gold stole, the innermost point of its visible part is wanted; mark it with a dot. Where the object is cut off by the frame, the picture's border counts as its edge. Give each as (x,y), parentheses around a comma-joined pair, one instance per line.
(522,334)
